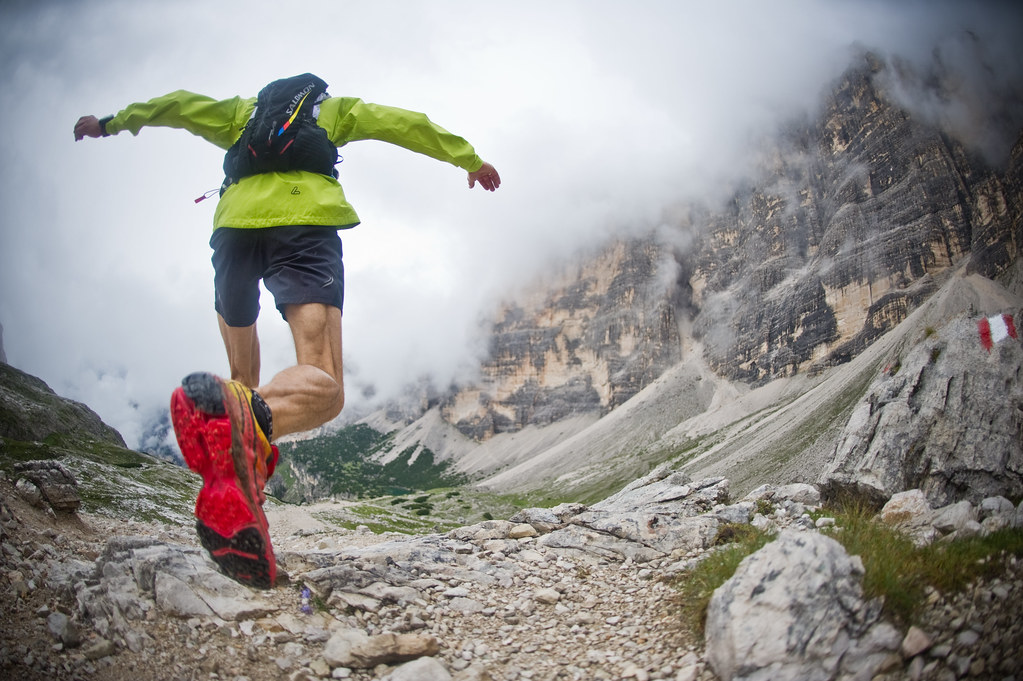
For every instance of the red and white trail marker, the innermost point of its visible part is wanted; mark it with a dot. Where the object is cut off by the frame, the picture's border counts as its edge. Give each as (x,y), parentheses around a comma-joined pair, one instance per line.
(996,329)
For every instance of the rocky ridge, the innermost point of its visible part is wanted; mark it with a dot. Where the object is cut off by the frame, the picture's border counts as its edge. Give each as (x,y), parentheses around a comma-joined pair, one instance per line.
(944,417)
(849,224)
(570,592)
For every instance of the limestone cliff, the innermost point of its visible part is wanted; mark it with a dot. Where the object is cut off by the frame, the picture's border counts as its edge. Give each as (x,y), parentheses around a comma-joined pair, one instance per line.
(850,225)
(585,340)
(863,208)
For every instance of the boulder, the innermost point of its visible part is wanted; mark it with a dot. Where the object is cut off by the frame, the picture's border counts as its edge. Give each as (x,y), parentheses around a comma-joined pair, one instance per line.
(56,485)
(354,649)
(794,611)
(944,421)
(910,513)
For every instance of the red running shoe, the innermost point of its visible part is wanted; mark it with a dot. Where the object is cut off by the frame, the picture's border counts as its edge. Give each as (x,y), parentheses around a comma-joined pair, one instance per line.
(221,441)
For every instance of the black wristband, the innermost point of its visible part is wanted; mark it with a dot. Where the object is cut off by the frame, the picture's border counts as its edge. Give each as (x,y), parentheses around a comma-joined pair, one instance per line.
(103,125)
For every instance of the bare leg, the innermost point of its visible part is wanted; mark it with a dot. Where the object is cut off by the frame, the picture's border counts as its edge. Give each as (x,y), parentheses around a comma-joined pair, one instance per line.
(242,346)
(312,392)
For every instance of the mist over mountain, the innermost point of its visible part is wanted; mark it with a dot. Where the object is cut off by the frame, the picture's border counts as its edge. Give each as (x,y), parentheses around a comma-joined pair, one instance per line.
(841,327)
(601,117)
(857,219)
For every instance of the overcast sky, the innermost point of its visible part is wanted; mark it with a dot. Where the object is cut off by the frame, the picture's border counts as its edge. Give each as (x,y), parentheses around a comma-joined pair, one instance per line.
(597,115)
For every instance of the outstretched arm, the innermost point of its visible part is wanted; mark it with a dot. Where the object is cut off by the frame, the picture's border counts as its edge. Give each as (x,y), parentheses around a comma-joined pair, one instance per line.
(88,126)
(487,177)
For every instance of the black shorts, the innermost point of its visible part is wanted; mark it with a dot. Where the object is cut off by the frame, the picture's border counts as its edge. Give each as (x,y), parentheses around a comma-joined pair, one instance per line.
(298,264)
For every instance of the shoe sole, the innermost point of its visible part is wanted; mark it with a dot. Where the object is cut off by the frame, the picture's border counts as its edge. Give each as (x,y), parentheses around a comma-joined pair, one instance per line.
(229,517)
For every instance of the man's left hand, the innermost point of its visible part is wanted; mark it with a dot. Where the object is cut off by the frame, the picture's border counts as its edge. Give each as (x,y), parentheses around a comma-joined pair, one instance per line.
(487,177)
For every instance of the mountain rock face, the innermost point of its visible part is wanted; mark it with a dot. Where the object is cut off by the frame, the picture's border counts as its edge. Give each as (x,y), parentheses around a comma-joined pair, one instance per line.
(946,419)
(63,457)
(864,208)
(586,342)
(855,218)
(31,411)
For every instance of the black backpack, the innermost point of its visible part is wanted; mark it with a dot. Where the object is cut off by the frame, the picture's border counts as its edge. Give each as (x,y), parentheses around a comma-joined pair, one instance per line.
(282,133)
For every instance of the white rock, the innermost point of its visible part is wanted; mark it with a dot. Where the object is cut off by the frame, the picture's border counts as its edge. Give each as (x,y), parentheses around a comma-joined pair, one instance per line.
(547,596)
(800,493)
(803,584)
(910,512)
(337,652)
(951,518)
(423,669)
(522,531)
(996,506)
(465,605)
(175,597)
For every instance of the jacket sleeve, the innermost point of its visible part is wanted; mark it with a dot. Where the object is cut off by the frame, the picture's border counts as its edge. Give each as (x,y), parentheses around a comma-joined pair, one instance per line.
(348,119)
(217,121)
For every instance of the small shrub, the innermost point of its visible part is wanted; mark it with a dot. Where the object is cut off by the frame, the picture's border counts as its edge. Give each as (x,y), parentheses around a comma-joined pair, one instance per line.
(896,570)
(900,571)
(698,585)
(889,558)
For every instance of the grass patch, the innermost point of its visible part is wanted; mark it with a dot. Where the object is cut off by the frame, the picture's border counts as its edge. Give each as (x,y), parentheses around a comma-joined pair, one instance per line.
(896,570)
(901,572)
(439,510)
(734,543)
(345,465)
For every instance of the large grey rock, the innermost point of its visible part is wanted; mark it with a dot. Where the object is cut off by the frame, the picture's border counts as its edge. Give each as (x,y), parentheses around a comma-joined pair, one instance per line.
(64,629)
(56,485)
(797,492)
(548,519)
(174,597)
(954,517)
(945,421)
(140,574)
(663,533)
(794,611)
(667,491)
(593,543)
(650,518)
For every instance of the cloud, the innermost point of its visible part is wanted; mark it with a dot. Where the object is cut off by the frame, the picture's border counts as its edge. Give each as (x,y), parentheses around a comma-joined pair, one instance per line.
(599,115)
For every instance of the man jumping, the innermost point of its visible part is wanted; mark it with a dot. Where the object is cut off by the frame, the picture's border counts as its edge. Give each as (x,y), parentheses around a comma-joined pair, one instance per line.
(279,226)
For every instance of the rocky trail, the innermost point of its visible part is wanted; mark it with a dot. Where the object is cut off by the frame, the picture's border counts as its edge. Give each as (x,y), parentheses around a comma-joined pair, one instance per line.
(564,593)
(539,617)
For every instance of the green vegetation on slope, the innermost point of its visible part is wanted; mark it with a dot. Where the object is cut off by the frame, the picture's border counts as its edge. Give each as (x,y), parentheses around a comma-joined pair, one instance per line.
(112,480)
(343,465)
(895,568)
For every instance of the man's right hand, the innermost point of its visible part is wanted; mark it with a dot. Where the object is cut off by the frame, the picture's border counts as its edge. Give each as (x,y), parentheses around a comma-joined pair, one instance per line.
(88,126)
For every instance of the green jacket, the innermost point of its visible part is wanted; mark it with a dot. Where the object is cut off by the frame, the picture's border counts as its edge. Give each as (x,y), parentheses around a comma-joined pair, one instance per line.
(294,197)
